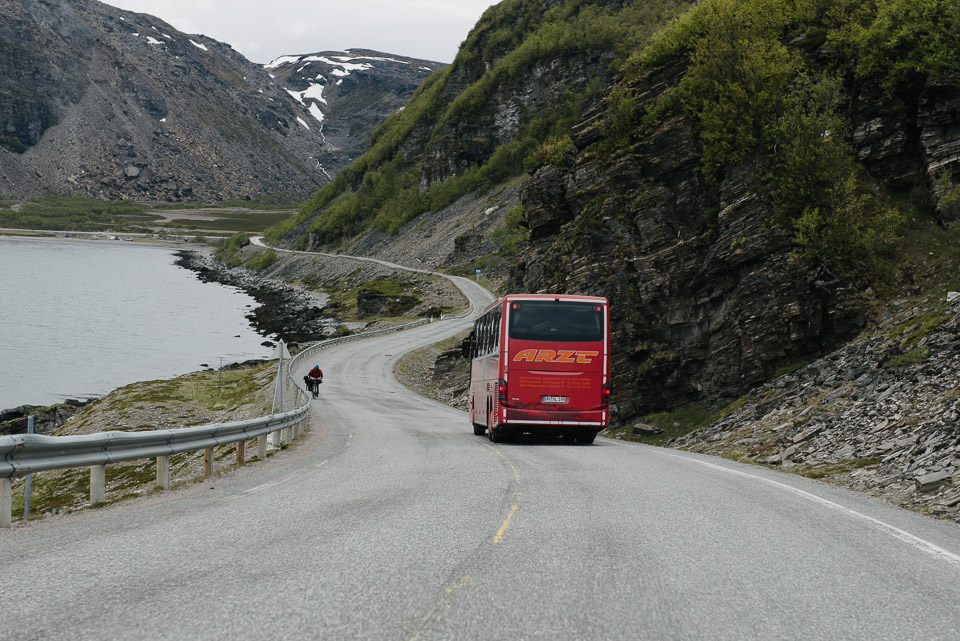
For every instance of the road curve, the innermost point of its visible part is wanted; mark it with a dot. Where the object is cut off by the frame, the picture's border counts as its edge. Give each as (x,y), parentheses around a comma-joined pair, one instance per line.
(391,520)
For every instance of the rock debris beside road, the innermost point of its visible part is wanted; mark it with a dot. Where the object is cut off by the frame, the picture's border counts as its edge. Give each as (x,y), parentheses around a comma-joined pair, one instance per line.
(878,416)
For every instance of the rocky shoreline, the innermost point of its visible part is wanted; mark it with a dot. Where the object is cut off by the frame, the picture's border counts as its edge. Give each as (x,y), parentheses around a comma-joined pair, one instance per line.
(46,419)
(287,313)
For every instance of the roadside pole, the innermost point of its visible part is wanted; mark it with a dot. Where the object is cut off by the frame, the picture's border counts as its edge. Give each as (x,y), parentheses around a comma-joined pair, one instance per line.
(28,481)
(279,352)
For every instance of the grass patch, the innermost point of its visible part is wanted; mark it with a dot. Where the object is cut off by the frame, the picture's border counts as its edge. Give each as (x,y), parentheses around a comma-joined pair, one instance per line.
(197,398)
(58,212)
(678,423)
(830,470)
(914,356)
(186,400)
(918,328)
(789,369)
(402,294)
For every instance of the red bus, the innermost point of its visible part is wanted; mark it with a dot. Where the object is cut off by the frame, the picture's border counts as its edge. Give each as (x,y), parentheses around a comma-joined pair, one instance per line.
(540,364)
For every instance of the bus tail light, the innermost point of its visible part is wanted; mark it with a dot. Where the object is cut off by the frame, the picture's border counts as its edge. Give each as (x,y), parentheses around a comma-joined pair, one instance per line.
(605,396)
(502,392)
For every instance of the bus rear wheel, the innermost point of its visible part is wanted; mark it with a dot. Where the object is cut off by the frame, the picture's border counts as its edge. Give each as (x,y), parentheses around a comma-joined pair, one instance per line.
(494,436)
(585,438)
(478,429)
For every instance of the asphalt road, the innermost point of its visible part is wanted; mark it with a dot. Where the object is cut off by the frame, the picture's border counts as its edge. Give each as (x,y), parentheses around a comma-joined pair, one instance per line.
(391,520)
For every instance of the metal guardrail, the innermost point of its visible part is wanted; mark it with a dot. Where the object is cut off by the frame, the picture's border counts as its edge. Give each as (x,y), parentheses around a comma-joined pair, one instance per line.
(24,454)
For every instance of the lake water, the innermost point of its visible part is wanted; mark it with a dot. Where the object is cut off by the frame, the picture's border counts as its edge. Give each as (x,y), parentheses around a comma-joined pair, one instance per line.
(81,318)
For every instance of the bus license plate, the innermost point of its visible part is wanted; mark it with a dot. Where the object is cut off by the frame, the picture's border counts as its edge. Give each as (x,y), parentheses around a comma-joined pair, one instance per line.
(553,399)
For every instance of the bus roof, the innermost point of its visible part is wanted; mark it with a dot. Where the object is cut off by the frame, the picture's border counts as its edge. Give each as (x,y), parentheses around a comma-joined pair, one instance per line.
(557,297)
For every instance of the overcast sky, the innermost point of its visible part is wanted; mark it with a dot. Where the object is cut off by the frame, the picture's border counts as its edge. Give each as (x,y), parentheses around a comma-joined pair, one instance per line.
(261,31)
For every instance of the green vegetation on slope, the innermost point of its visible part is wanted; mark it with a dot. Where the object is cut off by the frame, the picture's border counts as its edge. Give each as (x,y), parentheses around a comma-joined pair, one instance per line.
(759,95)
(383,189)
(767,84)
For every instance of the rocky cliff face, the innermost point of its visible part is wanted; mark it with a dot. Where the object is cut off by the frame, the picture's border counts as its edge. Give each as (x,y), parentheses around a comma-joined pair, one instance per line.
(112,104)
(346,94)
(709,297)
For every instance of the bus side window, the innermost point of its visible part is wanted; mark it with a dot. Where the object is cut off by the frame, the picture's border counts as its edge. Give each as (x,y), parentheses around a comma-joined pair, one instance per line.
(487,334)
(478,346)
(480,337)
(482,347)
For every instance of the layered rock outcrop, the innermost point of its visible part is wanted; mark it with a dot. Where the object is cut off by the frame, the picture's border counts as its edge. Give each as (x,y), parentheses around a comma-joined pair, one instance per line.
(709,296)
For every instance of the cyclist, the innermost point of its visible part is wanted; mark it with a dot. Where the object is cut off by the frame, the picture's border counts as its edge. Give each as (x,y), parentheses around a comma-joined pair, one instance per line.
(315,377)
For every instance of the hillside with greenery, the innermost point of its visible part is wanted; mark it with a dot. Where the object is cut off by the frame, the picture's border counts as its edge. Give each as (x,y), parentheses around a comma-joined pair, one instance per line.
(761,180)
(397,179)
(771,82)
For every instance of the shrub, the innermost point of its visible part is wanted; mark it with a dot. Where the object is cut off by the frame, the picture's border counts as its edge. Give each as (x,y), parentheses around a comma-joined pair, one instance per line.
(229,250)
(850,232)
(262,261)
(947,195)
(754,98)
(897,39)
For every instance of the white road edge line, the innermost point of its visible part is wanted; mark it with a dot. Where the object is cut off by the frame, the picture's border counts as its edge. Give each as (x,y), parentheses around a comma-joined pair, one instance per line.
(902,535)
(264,486)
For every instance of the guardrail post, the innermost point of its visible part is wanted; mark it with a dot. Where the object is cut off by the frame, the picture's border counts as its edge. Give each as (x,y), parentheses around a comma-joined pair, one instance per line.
(207,462)
(262,447)
(98,483)
(6,503)
(241,452)
(28,480)
(163,472)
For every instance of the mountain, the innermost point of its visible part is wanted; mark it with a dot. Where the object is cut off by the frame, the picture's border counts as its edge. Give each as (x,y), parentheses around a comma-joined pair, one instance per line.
(102,102)
(747,181)
(348,94)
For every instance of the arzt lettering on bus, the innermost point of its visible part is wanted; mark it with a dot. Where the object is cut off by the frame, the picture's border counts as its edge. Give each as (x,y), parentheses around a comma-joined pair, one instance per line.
(555,356)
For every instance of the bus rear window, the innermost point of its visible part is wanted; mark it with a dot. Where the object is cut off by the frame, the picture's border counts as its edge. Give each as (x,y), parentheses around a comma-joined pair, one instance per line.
(556,321)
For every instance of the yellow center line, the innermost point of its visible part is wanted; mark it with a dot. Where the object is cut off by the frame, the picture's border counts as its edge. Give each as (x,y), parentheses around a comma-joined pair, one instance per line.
(506,524)
(516,495)
(499,453)
(433,617)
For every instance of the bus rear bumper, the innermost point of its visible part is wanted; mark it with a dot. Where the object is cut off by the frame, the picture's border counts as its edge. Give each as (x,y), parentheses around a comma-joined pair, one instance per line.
(596,419)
